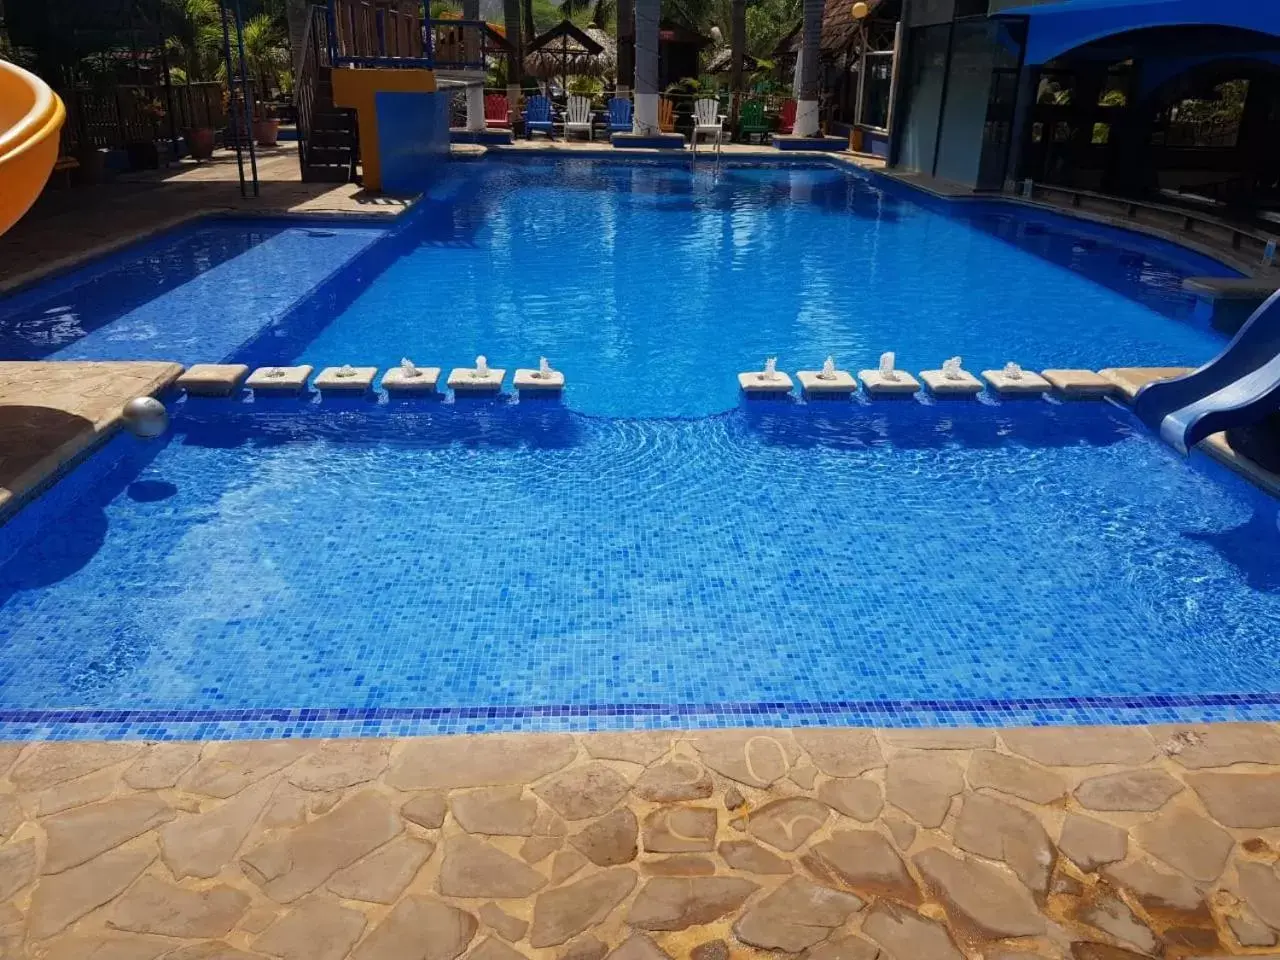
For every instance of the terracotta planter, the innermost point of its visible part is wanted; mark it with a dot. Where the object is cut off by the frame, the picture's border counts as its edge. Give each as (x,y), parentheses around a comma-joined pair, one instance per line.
(200,143)
(266,131)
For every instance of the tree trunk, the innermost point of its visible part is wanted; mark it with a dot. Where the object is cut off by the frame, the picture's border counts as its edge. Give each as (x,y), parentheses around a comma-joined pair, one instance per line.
(807,105)
(738,47)
(515,63)
(646,39)
(471,53)
(626,46)
(530,28)
(297,13)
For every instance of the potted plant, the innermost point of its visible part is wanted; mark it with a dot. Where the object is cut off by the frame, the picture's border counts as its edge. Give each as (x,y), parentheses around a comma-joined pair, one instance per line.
(266,129)
(143,154)
(200,142)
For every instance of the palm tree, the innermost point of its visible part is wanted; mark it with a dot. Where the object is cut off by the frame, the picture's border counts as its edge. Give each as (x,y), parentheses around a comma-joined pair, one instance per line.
(626,46)
(265,55)
(645,116)
(297,13)
(806,124)
(471,53)
(738,47)
(511,19)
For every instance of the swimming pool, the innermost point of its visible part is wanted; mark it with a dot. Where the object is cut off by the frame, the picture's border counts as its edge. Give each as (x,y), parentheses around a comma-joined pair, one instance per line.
(649,284)
(372,570)
(651,552)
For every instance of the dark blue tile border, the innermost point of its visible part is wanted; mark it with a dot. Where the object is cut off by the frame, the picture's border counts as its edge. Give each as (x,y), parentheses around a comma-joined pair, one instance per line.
(308,722)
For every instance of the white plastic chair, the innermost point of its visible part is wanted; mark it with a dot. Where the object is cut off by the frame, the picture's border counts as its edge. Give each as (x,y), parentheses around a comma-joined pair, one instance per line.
(579,117)
(707,119)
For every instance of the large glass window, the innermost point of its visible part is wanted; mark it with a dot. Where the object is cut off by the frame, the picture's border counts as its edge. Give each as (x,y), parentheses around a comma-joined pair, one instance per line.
(877,84)
(927,66)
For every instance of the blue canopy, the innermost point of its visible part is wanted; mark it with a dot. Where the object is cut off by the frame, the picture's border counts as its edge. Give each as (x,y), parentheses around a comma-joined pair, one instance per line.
(1056,28)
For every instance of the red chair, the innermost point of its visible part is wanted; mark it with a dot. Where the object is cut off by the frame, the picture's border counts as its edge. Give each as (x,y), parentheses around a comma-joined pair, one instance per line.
(498,114)
(787,116)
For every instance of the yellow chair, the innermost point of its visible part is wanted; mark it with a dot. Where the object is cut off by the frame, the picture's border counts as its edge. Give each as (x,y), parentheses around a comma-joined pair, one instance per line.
(666,116)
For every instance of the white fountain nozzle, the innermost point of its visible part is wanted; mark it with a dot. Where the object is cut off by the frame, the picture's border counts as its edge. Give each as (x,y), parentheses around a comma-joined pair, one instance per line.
(482,366)
(951,368)
(828,369)
(887,360)
(544,368)
(275,373)
(346,370)
(771,368)
(408,369)
(1013,371)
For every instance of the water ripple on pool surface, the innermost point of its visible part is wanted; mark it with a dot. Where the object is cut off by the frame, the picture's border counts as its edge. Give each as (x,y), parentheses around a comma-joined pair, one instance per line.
(652,286)
(526,556)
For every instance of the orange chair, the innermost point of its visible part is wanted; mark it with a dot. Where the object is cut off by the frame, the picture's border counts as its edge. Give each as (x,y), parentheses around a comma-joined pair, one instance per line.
(497,111)
(666,116)
(787,116)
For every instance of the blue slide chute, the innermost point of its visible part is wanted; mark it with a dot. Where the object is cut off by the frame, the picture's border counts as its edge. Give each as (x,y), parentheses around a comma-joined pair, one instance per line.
(1237,388)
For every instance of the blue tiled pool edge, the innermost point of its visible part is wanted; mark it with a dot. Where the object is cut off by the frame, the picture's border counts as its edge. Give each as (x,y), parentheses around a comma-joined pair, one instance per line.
(323,723)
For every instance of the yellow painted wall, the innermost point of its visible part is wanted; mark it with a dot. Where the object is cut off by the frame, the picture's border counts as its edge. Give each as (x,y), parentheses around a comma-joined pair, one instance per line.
(358,90)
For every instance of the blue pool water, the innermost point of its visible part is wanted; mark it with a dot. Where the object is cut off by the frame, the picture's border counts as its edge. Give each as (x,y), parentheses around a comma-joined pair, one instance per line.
(525,566)
(650,553)
(650,285)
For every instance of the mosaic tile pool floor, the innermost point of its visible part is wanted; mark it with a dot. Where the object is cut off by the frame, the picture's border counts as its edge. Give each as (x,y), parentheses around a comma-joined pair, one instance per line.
(482,568)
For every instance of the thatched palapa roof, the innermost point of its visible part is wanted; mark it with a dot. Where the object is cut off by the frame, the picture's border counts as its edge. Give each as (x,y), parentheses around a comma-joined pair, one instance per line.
(839,29)
(569,50)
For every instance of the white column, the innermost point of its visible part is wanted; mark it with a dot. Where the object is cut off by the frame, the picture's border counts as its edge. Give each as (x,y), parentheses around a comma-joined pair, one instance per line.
(645,117)
(475,106)
(806,118)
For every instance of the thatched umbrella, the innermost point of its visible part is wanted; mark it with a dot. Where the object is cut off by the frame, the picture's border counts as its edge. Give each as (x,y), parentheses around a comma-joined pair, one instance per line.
(567,50)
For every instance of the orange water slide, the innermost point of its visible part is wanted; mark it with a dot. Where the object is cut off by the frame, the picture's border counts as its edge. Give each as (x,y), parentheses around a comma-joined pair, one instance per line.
(31,117)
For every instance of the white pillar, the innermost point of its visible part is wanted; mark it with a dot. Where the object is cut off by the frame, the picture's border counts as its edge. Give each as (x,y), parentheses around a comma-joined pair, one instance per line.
(475,106)
(806,124)
(645,115)
(513,104)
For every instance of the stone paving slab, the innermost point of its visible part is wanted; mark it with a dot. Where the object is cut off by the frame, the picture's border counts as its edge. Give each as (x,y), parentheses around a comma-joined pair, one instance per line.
(1035,844)
(51,411)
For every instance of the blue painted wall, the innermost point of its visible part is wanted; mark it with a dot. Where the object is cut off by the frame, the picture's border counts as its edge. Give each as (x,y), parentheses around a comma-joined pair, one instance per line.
(413,136)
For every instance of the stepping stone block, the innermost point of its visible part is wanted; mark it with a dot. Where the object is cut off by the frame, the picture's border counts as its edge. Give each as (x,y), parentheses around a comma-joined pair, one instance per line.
(841,385)
(468,381)
(279,380)
(357,380)
(878,385)
(754,383)
(1079,384)
(213,379)
(1028,385)
(530,381)
(397,383)
(940,385)
(1129,380)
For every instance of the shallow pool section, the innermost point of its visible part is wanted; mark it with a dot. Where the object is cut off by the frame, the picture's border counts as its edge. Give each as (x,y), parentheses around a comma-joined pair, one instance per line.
(197,294)
(525,567)
(652,285)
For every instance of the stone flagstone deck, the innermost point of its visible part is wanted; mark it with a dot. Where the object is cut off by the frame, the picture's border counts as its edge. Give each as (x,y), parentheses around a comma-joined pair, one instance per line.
(1106,843)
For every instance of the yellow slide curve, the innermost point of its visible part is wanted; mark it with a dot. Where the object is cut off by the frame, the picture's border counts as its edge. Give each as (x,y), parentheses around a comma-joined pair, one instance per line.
(31,116)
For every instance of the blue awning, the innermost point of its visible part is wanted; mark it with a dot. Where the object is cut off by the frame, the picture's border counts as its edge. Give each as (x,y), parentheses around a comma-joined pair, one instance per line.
(1056,28)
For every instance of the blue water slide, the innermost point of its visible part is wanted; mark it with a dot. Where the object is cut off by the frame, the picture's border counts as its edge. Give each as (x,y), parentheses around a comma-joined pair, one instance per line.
(1237,388)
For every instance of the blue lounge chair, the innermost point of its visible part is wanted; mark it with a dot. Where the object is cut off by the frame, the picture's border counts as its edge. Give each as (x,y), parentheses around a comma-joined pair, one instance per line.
(619,115)
(537,116)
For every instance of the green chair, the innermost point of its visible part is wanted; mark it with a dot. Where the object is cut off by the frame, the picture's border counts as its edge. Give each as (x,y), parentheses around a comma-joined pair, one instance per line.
(752,121)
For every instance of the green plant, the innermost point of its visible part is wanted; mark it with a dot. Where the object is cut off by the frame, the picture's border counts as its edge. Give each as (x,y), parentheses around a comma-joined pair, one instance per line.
(586,86)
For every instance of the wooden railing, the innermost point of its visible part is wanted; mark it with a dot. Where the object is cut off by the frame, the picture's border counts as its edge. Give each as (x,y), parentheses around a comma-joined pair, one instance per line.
(128,113)
(377,33)
(315,57)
